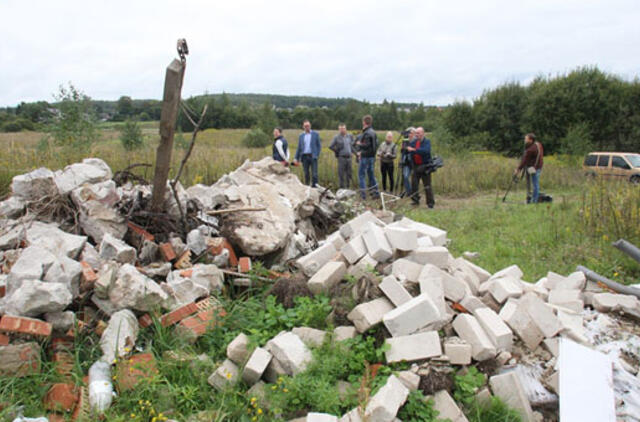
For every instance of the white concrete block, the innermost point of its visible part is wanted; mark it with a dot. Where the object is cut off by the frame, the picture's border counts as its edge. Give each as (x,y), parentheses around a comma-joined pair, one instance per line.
(541,315)
(471,303)
(274,371)
(344,333)
(376,243)
(413,347)
(290,351)
(312,262)
(552,345)
(384,405)
(503,288)
(512,271)
(570,299)
(364,266)
(435,255)
(366,315)
(238,349)
(354,250)
(321,417)
(310,336)
(469,329)
(574,281)
(573,324)
(396,293)
(498,332)
(437,236)
(522,324)
(327,277)
(413,315)
(433,287)
(410,379)
(358,224)
(406,270)
(608,302)
(509,388)
(458,351)
(468,275)
(482,274)
(337,240)
(354,415)
(401,238)
(424,242)
(454,289)
(447,407)
(226,375)
(256,365)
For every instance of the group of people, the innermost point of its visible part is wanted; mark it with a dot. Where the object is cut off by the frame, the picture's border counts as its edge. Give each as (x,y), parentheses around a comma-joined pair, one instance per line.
(415,156)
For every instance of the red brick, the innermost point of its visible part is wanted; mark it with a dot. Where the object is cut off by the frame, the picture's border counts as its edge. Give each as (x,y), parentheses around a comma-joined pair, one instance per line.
(140,231)
(217,244)
(61,344)
(167,251)
(186,273)
(3,291)
(64,363)
(132,371)
(145,321)
(184,261)
(89,277)
(22,325)
(179,314)
(61,397)
(83,409)
(244,264)
(198,324)
(20,359)
(4,340)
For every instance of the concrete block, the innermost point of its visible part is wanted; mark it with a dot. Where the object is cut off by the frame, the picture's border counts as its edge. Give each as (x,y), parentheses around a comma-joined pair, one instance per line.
(290,351)
(226,375)
(312,262)
(466,274)
(572,324)
(522,324)
(512,271)
(310,336)
(363,267)
(320,417)
(366,315)
(472,303)
(498,332)
(574,281)
(256,365)
(424,242)
(447,407)
(354,415)
(327,277)
(358,224)
(509,388)
(409,379)
(570,299)
(337,240)
(394,291)
(437,236)
(553,382)
(469,329)
(458,351)
(406,270)
(376,243)
(384,405)
(413,347)
(482,274)
(503,288)
(541,315)
(552,345)
(238,349)
(401,238)
(454,289)
(354,250)
(274,371)
(433,287)
(611,302)
(435,255)
(344,333)
(413,315)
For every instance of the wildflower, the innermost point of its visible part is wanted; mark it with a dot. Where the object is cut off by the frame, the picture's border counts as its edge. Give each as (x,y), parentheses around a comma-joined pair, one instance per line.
(284,390)
(115,361)
(229,375)
(133,415)
(253,399)
(616,274)
(273,387)
(259,411)
(254,418)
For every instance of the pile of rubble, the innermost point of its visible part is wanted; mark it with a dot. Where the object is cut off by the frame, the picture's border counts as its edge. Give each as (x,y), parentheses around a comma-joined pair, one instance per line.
(443,313)
(73,257)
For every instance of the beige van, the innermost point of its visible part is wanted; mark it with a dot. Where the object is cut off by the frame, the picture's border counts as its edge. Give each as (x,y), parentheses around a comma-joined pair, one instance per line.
(614,165)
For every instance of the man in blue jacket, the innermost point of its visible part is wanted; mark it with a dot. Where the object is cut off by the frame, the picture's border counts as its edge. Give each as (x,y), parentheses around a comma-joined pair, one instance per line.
(308,152)
(420,150)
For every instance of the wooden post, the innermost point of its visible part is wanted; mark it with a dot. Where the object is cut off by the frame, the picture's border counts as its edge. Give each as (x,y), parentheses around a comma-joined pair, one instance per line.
(170,105)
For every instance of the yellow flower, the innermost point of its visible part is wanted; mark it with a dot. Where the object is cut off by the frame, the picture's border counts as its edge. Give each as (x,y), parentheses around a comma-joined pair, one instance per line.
(615,274)
(273,387)
(285,390)
(253,399)
(154,419)
(259,412)
(133,415)
(254,418)
(229,375)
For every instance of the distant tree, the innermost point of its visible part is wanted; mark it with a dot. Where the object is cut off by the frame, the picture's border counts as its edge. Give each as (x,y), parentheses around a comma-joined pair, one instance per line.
(267,118)
(458,119)
(75,126)
(256,138)
(124,107)
(131,135)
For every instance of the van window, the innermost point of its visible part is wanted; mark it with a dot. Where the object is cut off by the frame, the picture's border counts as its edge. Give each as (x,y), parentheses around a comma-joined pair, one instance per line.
(590,160)
(603,161)
(618,162)
(634,160)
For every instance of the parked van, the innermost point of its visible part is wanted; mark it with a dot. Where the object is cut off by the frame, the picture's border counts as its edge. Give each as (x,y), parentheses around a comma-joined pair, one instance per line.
(614,165)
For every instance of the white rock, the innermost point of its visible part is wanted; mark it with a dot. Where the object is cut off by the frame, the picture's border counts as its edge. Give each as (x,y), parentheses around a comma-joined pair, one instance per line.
(32,264)
(225,375)
(344,333)
(396,293)
(132,289)
(182,292)
(115,249)
(469,329)
(91,170)
(401,238)
(119,338)
(34,297)
(12,237)
(376,243)
(34,185)
(12,207)
(196,242)
(56,241)
(256,365)
(413,315)
(290,351)
(98,215)
(413,347)
(66,271)
(327,277)
(384,405)
(366,315)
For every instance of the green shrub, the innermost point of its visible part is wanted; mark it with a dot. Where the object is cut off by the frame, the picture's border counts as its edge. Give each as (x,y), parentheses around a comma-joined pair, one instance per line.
(131,135)
(75,127)
(418,409)
(256,138)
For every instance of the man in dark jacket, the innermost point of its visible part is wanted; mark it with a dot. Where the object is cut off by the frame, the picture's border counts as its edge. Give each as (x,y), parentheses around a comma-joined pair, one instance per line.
(532,163)
(420,150)
(405,159)
(308,152)
(367,146)
(280,149)
(342,146)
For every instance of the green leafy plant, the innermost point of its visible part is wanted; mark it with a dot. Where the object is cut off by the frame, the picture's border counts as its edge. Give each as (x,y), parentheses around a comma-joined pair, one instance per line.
(75,125)
(131,135)
(418,409)
(256,138)
(467,385)
(495,410)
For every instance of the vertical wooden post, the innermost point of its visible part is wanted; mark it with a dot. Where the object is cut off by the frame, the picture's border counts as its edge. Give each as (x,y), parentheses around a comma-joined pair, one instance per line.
(170,106)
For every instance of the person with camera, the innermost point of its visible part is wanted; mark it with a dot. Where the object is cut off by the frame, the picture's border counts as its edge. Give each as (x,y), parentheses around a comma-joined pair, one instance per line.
(531,161)
(342,146)
(405,159)
(387,156)
(420,150)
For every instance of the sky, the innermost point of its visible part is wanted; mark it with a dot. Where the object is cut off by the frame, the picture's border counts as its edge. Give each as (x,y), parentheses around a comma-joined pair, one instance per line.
(429,51)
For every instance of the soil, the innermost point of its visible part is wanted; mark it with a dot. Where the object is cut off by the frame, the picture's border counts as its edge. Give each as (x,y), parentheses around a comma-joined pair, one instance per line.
(436,381)
(287,289)
(488,367)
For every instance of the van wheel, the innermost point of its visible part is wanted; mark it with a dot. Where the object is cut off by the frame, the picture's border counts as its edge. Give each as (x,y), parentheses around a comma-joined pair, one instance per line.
(635,179)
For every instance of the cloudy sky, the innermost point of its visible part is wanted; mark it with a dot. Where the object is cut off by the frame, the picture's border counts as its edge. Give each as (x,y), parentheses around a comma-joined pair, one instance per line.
(424,50)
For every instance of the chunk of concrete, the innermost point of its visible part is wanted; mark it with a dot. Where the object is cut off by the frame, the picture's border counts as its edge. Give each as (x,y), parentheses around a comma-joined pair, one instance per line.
(498,332)
(56,241)
(116,250)
(119,338)
(574,281)
(66,271)
(320,417)
(503,288)
(290,351)
(312,262)
(208,276)
(447,407)
(522,324)
(376,243)
(540,313)
(238,349)
(344,333)
(413,347)
(12,207)
(384,405)
(435,255)
(354,415)
(274,371)
(401,238)
(482,274)
(327,277)
(34,297)
(90,170)
(611,302)
(509,388)
(197,242)
(363,267)
(570,299)
(469,329)
(405,270)
(354,250)
(437,236)
(225,375)
(572,324)
(34,185)
(458,351)
(32,264)
(133,290)
(454,289)
(410,379)
(396,293)
(97,212)
(432,287)
(256,365)
(472,303)
(358,224)
(512,271)
(368,314)
(337,240)
(310,336)
(182,292)
(61,321)
(411,316)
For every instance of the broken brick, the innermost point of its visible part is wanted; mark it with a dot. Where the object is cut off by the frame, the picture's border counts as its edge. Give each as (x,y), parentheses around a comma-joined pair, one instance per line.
(89,277)
(64,363)
(217,244)
(20,359)
(140,231)
(23,325)
(145,321)
(3,291)
(135,369)
(4,340)
(244,264)
(167,251)
(186,273)
(178,315)
(61,397)
(83,408)
(184,261)
(195,326)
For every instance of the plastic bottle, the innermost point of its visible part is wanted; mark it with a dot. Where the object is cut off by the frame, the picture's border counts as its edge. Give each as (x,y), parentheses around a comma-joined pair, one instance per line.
(100,386)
